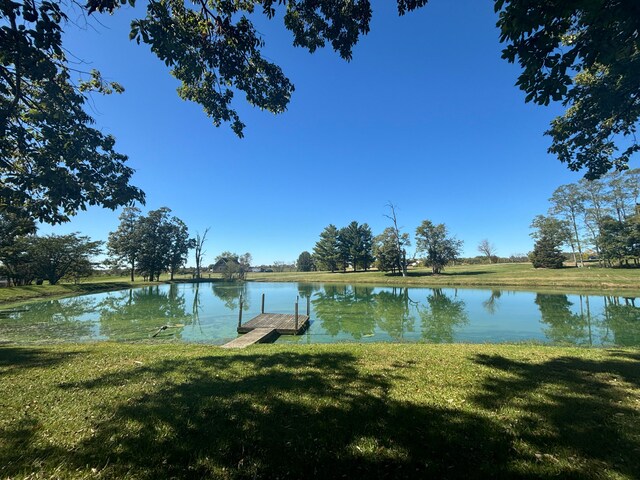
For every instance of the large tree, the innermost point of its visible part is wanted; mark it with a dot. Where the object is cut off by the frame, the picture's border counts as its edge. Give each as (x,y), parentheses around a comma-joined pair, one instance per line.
(355,244)
(586,54)
(434,241)
(389,256)
(14,258)
(55,256)
(568,201)
(124,244)
(546,252)
(52,161)
(583,53)
(164,243)
(305,262)
(180,245)
(326,251)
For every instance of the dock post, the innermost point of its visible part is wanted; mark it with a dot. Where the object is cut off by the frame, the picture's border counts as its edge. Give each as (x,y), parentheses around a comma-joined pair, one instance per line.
(296,317)
(262,309)
(240,312)
(308,308)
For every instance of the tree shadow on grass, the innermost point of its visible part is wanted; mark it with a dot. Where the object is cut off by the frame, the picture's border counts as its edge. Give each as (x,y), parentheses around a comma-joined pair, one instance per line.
(322,415)
(572,407)
(413,273)
(12,358)
(279,416)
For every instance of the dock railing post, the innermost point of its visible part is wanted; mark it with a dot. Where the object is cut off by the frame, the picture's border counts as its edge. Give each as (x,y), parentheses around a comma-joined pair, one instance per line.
(308,308)
(296,317)
(240,312)
(262,309)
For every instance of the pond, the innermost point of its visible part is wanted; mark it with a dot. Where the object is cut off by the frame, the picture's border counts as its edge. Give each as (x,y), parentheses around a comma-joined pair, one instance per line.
(208,313)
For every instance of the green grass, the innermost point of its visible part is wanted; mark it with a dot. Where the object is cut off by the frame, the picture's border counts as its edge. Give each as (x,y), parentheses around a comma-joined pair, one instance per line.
(515,276)
(321,411)
(90,285)
(520,275)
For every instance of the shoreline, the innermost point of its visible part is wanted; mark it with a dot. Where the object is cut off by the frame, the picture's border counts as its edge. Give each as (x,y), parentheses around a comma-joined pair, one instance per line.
(513,277)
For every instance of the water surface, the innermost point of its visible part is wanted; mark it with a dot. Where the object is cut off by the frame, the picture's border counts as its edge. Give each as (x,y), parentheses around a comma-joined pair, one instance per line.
(208,313)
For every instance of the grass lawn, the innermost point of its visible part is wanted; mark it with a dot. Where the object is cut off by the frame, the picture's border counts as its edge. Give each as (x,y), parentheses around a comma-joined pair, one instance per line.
(321,411)
(515,276)
(91,285)
(518,275)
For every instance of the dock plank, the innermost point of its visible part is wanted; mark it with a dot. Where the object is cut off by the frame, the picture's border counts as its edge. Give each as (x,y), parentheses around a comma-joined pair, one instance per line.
(283,323)
(257,335)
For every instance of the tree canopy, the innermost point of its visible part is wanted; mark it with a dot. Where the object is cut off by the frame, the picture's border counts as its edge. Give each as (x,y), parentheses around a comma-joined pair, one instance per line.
(53,163)
(585,54)
(435,242)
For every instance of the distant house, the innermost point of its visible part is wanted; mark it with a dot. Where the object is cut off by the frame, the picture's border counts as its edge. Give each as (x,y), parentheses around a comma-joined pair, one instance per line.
(221,265)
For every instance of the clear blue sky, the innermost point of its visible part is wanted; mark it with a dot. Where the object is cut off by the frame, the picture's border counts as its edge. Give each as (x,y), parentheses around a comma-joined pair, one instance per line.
(426,116)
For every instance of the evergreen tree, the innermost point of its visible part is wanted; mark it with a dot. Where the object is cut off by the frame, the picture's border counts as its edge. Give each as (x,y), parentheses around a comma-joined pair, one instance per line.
(365,251)
(305,262)
(546,253)
(326,252)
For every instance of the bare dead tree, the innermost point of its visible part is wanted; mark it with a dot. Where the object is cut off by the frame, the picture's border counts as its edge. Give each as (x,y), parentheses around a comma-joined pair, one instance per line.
(400,239)
(199,251)
(486,248)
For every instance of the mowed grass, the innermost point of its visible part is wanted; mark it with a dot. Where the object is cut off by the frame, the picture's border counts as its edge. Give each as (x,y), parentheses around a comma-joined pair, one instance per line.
(91,285)
(519,275)
(320,411)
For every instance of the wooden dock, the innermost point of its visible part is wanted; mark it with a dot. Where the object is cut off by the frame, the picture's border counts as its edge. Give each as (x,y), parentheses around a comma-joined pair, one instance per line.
(259,335)
(282,323)
(267,327)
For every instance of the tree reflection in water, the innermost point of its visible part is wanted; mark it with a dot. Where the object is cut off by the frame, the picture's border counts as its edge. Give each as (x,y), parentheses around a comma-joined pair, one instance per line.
(360,312)
(622,317)
(441,316)
(563,325)
(230,294)
(345,309)
(138,313)
(52,320)
(491,304)
(344,312)
(393,315)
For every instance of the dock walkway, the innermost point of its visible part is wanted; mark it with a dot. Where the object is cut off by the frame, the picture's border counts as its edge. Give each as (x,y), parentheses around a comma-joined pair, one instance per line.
(267,327)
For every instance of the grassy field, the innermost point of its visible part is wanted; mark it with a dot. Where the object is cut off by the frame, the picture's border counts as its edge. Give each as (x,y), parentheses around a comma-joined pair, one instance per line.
(91,285)
(521,275)
(515,276)
(321,411)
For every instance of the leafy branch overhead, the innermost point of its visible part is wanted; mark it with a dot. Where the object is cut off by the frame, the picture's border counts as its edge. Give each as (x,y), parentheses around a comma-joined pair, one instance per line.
(585,54)
(53,163)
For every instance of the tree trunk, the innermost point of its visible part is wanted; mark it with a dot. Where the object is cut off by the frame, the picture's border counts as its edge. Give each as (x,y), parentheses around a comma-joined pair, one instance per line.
(404,263)
(574,222)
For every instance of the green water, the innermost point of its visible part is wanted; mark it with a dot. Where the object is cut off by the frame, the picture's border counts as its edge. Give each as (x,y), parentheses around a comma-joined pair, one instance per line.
(208,313)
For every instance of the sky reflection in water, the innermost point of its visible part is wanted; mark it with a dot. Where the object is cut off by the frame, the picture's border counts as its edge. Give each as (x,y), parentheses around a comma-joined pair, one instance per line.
(208,313)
